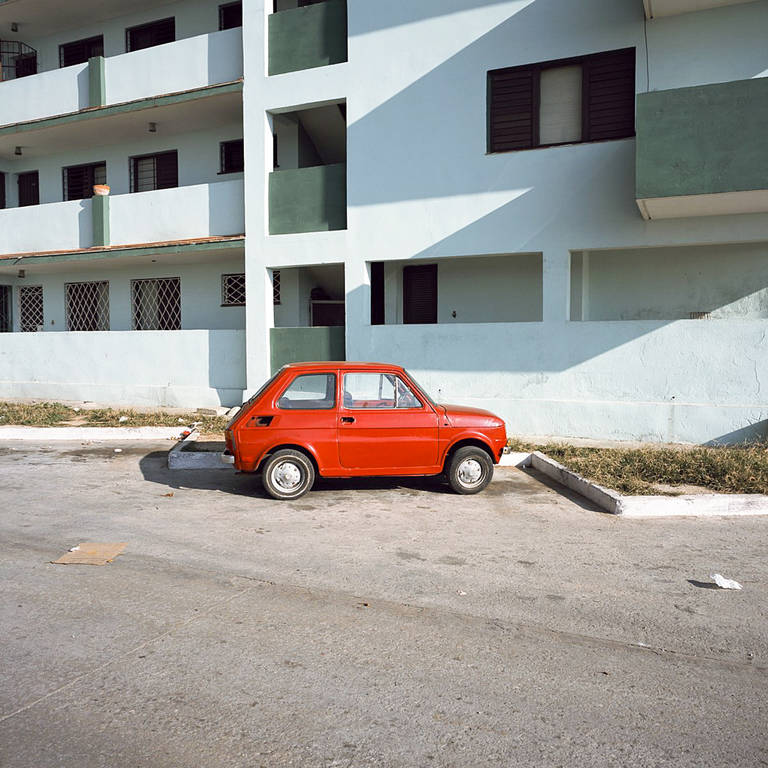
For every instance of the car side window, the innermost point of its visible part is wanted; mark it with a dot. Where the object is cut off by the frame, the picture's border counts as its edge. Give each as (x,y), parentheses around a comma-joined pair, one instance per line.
(377,390)
(310,392)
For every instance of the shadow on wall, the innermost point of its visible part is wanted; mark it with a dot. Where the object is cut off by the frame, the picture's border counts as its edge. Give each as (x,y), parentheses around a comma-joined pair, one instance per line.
(751,433)
(84,89)
(226,365)
(85,224)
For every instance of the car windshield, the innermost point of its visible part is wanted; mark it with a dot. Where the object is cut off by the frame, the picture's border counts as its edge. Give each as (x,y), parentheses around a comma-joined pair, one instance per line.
(420,388)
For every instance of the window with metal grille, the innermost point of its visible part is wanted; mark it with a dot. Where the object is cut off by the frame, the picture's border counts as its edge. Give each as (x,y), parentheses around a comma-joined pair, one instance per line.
(233,290)
(29,188)
(30,308)
(276,286)
(230,15)
(79,51)
(17,59)
(79,180)
(420,294)
(159,171)
(5,308)
(156,304)
(590,98)
(232,156)
(151,34)
(87,306)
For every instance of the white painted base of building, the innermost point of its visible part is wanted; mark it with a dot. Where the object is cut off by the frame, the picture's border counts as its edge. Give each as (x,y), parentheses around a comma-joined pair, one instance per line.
(689,505)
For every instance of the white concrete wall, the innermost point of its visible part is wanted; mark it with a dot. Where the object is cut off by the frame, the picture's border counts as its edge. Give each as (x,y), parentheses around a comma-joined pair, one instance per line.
(65,226)
(51,93)
(180,368)
(193,17)
(182,213)
(181,66)
(198,152)
(200,290)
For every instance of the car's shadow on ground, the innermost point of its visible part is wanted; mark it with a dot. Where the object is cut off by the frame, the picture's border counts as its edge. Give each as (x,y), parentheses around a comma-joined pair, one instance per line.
(154,468)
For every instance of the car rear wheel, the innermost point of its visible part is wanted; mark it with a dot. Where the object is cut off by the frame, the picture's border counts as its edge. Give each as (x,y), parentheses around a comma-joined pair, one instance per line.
(470,470)
(287,474)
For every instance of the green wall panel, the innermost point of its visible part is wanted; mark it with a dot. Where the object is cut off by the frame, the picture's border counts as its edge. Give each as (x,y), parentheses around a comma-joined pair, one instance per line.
(703,140)
(100,212)
(97,82)
(313,36)
(297,345)
(308,199)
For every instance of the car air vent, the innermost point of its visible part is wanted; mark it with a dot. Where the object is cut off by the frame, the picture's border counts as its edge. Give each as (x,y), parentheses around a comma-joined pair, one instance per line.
(260,421)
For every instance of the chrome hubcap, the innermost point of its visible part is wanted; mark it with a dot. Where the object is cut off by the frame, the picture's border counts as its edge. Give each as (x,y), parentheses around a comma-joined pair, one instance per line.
(286,475)
(470,472)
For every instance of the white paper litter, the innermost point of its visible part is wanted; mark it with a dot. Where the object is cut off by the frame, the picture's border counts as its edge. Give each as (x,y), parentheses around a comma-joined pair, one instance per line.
(118,450)
(74,549)
(724,583)
(122,419)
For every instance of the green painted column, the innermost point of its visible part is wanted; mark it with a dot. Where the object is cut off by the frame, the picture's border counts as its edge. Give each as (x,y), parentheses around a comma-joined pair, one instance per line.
(100,212)
(97,81)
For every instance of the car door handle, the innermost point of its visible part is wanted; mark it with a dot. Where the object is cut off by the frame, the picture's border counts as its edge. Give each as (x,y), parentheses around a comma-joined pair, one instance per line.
(347,419)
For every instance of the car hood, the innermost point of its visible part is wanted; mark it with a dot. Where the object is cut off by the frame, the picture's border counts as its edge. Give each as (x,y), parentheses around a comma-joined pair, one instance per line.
(464,416)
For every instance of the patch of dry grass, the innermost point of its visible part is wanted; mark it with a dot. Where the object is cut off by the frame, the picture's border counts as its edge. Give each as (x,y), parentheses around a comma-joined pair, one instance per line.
(58,415)
(725,469)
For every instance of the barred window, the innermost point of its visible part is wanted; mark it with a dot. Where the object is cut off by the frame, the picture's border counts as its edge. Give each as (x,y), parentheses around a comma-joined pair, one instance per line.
(30,308)
(233,290)
(276,286)
(80,179)
(156,304)
(5,308)
(87,306)
(159,171)
(232,156)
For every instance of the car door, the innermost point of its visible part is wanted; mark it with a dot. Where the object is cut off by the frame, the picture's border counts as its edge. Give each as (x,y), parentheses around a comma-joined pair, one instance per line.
(384,426)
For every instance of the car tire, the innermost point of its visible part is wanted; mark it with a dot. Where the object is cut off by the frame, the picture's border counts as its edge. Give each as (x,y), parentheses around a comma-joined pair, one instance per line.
(288,474)
(469,470)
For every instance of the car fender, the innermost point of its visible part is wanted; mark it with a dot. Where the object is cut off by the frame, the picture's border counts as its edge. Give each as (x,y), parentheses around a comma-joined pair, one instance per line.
(463,437)
(308,448)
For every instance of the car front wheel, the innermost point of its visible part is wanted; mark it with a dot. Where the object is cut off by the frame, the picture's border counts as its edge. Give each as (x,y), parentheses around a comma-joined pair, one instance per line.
(287,475)
(470,470)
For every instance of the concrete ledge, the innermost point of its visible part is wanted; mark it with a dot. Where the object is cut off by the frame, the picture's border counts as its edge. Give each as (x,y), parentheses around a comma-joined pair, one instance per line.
(178,458)
(693,505)
(91,433)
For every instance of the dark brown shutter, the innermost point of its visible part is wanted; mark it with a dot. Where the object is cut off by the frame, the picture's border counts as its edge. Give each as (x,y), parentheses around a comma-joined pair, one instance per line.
(232,156)
(513,114)
(79,51)
(5,308)
(420,294)
(29,189)
(79,180)
(2,190)
(377,293)
(167,170)
(230,15)
(609,96)
(26,64)
(149,35)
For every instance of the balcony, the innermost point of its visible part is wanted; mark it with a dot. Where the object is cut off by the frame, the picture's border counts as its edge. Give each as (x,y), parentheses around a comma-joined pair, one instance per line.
(655,9)
(185,65)
(182,213)
(308,37)
(701,151)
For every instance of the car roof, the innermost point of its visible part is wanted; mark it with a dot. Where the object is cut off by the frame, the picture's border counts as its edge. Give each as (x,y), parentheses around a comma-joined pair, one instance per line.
(342,365)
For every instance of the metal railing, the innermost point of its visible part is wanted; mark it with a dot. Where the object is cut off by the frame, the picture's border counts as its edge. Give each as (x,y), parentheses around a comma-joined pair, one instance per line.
(16,60)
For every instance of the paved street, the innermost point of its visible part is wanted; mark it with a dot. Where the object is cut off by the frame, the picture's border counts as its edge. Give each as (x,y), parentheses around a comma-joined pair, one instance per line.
(371,623)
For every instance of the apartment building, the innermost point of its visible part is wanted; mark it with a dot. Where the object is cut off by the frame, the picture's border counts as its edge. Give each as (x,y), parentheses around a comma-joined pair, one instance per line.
(555,210)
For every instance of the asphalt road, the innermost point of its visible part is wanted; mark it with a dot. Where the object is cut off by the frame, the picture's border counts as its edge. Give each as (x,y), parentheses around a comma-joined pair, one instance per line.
(370,623)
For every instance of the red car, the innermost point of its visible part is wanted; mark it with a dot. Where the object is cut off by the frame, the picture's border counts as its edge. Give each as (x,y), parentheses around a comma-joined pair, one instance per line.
(357,420)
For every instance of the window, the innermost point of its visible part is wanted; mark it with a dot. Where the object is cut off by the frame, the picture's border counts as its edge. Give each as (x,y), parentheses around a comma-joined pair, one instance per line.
(377,293)
(150,172)
(5,308)
(311,391)
(232,157)
(80,51)
(276,287)
(233,290)
(2,190)
(26,64)
(156,304)
(420,294)
(87,306)
(377,390)
(29,188)
(149,35)
(30,308)
(79,180)
(573,100)
(230,15)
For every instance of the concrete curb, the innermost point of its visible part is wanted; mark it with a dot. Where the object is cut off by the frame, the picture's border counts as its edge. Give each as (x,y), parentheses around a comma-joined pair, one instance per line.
(178,458)
(695,505)
(91,433)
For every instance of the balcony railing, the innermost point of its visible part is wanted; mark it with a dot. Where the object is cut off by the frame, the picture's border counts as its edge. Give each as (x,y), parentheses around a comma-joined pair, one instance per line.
(185,65)
(308,199)
(182,213)
(312,36)
(702,150)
